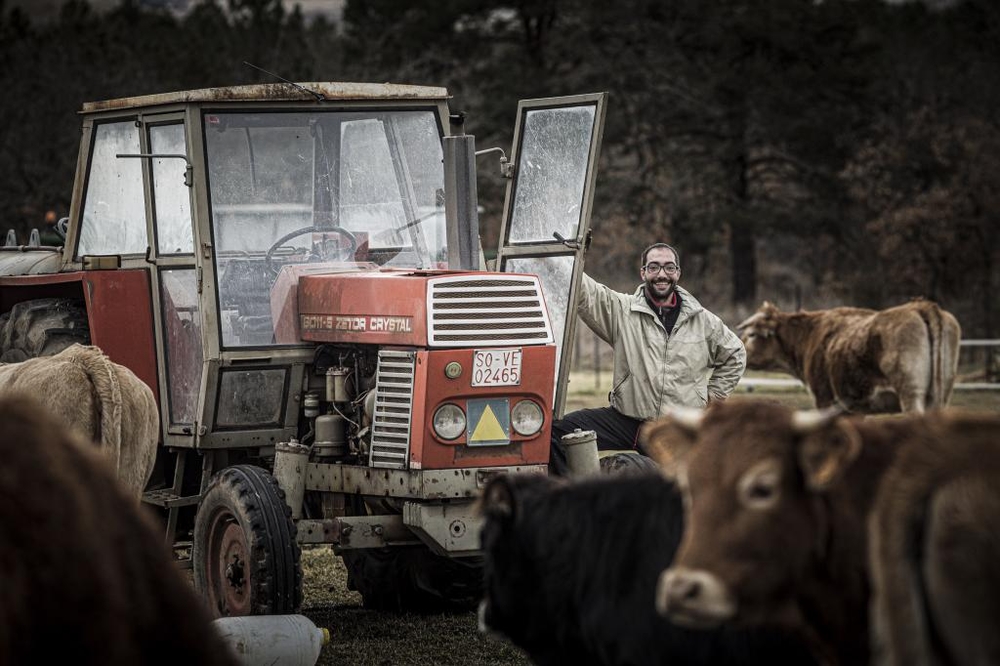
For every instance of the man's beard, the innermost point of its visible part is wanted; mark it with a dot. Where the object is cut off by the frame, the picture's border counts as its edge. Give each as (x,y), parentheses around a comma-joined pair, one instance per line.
(660,289)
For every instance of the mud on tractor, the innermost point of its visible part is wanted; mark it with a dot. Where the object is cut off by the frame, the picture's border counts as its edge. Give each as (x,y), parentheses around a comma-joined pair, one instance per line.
(296,271)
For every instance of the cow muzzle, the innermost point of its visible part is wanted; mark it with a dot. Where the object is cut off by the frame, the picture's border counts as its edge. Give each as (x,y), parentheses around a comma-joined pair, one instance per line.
(693,598)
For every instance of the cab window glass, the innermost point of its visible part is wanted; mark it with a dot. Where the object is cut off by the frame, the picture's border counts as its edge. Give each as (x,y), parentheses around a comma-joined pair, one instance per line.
(182,338)
(171,197)
(114,215)
(348,190)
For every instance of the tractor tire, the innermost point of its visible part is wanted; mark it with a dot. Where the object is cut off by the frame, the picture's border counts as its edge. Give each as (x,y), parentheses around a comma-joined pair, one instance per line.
(245,557)
(413,579)
(627,463)
(42,327)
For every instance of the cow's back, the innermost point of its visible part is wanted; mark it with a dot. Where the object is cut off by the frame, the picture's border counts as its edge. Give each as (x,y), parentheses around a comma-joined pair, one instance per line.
(63,387)
(935,545)
(98,399)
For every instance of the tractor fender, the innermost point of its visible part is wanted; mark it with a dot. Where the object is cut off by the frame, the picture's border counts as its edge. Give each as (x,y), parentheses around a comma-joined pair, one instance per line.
(23,260)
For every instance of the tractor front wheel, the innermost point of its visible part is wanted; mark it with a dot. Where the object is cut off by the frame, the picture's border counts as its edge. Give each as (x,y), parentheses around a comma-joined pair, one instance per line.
(245,557)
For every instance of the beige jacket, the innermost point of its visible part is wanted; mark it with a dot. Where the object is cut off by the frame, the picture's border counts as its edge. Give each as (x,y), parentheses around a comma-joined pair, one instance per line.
(701,358)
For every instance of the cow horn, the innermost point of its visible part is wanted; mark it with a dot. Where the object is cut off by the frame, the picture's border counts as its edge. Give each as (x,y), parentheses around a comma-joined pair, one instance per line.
(687,417)
(749,321)
(811,420)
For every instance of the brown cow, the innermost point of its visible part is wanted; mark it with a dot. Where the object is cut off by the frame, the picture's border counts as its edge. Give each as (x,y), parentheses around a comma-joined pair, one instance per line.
(935,547)
(777,504)
(100,400)
(901,359)
(86,577)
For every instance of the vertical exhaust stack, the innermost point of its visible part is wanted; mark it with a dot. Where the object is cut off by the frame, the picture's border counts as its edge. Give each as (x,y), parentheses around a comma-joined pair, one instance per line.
(461,200)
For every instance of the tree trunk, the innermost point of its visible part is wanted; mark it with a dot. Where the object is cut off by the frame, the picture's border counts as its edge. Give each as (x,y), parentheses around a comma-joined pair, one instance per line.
(743,255)
(744,262)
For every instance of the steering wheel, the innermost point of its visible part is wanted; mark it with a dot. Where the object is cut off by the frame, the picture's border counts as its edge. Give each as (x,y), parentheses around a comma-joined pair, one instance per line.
(314,255)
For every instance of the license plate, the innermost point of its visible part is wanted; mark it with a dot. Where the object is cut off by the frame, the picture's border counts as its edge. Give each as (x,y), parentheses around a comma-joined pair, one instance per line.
(496,367)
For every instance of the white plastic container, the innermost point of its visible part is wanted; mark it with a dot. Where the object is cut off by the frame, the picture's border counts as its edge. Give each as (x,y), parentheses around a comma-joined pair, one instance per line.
(581,453)
(273,640)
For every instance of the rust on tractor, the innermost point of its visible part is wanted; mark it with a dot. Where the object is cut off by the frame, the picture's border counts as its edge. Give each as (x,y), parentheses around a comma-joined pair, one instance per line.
(276,92)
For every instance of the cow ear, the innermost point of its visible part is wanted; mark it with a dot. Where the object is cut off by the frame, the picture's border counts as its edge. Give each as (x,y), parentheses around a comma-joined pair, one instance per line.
(669,439)
(825,454)
(497,500)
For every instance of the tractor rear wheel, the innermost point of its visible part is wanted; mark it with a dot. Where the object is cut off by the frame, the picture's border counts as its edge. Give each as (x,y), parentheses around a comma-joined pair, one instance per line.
(413,579)
(42,327)
(245,557)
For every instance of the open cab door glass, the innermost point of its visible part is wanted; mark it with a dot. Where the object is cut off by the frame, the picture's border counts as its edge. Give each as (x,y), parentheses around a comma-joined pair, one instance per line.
(546,218)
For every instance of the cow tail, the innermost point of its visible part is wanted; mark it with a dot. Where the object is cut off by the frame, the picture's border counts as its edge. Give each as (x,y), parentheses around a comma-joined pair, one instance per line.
(937,363)
(931,314)
(102,374)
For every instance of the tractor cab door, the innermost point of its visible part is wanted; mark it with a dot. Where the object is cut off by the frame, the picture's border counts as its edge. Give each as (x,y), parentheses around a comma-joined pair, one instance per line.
(138,206)
(177,296)
(546,218)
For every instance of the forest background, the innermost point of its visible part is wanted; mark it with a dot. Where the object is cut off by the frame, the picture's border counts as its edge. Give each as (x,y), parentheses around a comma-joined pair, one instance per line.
(810,152)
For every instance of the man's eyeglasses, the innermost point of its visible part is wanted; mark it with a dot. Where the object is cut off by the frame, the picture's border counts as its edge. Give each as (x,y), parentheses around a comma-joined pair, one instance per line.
(654,268)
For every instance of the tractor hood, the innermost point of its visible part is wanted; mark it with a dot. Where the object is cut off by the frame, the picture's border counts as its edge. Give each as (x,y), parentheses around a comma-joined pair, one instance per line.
(419,308)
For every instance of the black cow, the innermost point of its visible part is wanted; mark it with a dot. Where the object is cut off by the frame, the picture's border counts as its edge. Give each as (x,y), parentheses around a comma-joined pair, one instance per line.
(571,570)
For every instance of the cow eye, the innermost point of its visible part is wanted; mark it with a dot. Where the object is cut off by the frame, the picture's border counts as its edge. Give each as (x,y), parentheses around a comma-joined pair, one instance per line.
(759,491)
(759,488)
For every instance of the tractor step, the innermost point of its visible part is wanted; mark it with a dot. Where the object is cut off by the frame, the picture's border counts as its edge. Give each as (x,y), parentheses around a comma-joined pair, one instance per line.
(167,498)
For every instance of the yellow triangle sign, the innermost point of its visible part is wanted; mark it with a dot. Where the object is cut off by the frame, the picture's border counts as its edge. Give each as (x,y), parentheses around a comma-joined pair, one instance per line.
(488,429)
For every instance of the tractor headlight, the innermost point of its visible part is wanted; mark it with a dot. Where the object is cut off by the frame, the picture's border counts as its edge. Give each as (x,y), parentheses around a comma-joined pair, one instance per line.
(527,418)
(449,421)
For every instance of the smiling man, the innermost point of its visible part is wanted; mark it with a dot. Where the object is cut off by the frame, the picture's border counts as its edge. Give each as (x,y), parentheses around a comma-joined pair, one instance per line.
(669,351)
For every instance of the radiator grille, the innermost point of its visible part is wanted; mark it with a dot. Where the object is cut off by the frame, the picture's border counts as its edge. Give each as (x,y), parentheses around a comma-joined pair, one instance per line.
(486,311)
(393,409)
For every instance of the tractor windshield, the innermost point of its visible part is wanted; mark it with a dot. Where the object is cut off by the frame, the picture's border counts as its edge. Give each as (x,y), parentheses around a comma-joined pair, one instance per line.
(349,190)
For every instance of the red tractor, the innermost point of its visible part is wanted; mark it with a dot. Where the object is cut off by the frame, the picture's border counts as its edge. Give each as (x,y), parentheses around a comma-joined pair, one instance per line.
(295,270)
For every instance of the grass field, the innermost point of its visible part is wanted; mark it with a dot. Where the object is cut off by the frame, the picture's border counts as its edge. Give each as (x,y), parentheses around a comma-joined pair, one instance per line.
(367,638)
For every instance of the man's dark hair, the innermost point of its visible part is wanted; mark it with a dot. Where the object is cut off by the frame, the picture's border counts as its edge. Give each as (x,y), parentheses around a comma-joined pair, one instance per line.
(645,253)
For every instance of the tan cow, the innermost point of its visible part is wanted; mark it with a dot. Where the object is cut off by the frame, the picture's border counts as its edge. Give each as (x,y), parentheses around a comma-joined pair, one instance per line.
(86,578)
(791,518)
(900,359)
(100,400)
